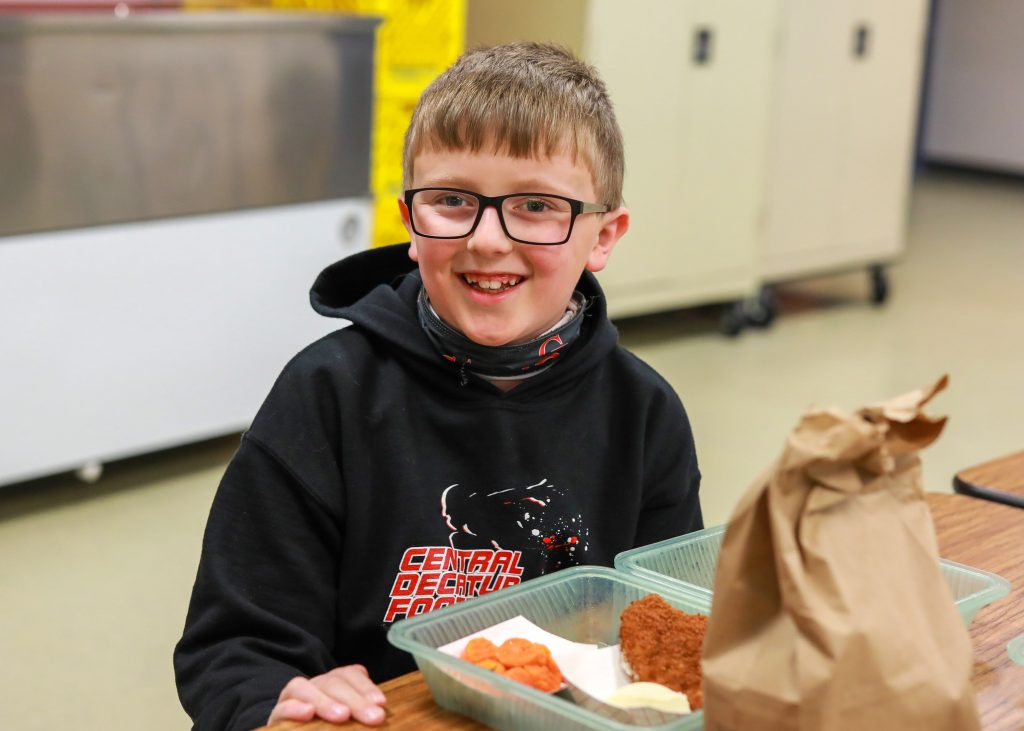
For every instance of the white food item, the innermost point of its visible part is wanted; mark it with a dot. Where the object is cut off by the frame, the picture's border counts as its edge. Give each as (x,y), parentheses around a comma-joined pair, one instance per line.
(649,695)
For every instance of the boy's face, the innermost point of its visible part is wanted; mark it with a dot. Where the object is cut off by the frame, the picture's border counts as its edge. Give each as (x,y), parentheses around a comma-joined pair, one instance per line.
(536,281)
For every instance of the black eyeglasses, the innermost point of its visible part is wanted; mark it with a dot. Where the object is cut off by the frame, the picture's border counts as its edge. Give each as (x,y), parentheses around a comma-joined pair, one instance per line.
(542,219)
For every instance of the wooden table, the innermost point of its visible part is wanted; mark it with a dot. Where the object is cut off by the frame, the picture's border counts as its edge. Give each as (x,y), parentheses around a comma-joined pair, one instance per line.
(410,707)
(989,536)
(978,533)
(1001,480)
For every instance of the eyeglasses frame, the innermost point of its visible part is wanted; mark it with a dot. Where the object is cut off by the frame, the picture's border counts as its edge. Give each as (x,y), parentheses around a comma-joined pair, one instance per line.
(577,208)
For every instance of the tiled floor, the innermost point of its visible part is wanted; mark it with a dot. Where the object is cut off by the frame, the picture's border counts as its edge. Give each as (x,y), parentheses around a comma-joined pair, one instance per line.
(94,579)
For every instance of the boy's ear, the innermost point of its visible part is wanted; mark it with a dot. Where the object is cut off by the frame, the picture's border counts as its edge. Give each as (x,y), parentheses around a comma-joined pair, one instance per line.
(613,226)
(404,211)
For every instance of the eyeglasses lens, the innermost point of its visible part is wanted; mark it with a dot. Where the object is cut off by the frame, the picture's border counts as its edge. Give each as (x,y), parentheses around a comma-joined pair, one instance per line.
(531,218)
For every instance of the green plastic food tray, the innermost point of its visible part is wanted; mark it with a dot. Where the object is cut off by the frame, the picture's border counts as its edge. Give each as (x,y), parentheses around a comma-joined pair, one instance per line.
(689,562)
(582,604)
(1016,649)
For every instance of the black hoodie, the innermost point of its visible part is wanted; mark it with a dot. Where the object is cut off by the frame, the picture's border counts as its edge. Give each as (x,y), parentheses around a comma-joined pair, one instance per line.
(374,484)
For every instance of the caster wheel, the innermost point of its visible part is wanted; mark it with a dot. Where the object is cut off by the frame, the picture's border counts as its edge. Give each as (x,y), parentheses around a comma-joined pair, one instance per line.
(879,285)
(760,311)
(731,319)
(90,472)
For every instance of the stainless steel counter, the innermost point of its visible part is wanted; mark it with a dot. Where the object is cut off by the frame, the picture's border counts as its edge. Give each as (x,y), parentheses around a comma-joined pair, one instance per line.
(161,114)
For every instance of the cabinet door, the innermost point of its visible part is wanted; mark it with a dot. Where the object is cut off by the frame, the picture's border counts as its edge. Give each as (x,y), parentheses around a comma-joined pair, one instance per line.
(843,137)
(690,82)
(722,169)
(645,66)
(804,148)
(880,81)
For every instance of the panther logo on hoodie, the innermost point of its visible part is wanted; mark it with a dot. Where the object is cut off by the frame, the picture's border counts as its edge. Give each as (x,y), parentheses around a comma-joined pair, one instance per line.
(479,557)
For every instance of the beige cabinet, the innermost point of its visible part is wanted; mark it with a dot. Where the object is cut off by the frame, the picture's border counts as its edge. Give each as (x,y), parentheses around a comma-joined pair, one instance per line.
(765,141)
(691,85)
(843,130)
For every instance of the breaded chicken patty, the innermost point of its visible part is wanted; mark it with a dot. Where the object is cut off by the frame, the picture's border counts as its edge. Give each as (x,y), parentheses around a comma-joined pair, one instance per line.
(661,644)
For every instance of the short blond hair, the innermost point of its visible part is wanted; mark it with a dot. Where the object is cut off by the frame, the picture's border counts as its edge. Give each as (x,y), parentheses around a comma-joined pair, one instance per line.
(526,100)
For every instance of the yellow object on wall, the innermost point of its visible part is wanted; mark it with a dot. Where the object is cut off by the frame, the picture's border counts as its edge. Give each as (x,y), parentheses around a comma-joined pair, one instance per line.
(416,41)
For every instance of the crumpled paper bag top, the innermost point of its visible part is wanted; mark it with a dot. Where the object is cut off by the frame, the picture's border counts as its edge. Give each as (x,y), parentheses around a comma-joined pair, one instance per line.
(838,450)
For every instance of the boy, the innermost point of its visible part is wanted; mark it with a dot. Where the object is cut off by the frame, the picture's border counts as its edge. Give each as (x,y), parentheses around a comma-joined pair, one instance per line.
(477,425)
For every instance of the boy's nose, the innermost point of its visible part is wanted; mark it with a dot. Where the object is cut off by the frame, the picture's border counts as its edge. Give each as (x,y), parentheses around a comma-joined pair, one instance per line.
(489,237)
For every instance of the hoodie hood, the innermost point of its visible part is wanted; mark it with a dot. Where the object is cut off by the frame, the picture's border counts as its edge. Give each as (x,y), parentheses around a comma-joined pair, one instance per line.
(377,289)
(347,281)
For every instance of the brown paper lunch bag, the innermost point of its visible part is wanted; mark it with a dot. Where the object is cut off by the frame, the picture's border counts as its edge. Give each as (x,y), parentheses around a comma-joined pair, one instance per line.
(830,612)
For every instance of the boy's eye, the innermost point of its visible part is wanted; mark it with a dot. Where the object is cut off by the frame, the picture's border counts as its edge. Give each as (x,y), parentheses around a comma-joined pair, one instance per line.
(537,205)
(452,201)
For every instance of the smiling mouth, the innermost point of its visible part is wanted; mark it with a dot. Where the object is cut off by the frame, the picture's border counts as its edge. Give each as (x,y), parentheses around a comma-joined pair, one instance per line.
(491,284)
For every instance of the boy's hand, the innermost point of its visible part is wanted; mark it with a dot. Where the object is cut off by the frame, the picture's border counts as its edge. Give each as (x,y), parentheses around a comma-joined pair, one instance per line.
(335,696)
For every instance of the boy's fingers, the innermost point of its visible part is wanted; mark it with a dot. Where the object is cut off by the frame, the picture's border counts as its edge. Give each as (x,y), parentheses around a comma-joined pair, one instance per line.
(343,694)
(310,692)
(292,710)
(336,696)
(357,677)
(306,691)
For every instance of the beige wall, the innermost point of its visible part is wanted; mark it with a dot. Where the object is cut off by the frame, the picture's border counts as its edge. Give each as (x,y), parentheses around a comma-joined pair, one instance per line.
(975,96)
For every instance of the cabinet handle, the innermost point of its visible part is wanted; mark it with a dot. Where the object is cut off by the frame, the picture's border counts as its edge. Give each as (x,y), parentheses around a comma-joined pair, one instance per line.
(861,35)
(702,45)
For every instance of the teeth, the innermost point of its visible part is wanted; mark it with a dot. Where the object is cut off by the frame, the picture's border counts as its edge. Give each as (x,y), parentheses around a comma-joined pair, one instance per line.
(491,284)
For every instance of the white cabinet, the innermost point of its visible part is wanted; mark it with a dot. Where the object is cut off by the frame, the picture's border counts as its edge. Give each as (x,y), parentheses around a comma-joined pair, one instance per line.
(691,85)
(841,148)
(128,338)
